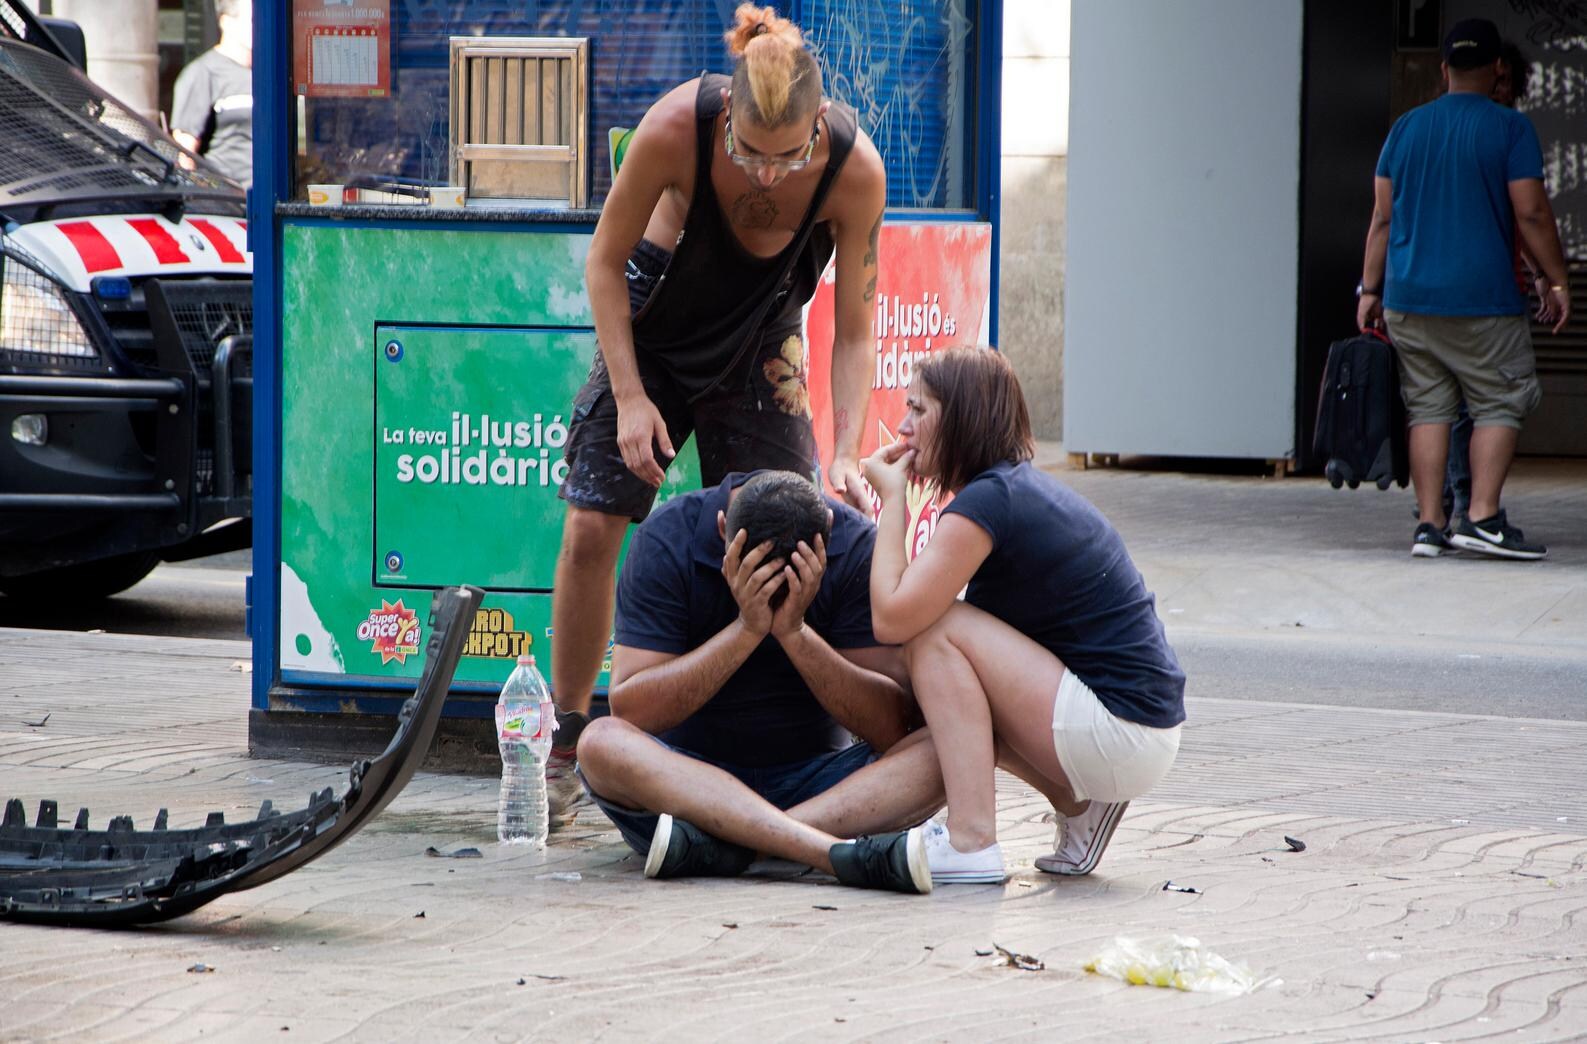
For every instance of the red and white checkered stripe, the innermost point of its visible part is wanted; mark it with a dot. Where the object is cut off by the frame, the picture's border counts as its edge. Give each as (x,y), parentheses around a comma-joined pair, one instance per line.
(78,249)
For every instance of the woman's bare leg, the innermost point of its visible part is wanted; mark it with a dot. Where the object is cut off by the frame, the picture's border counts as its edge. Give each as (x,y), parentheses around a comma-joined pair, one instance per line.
(975,677)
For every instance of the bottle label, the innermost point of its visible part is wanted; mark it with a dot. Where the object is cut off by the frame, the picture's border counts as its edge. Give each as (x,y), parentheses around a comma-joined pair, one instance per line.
(522,724)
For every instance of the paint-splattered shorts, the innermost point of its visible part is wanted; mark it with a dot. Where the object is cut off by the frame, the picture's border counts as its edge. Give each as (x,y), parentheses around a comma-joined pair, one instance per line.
(758,418)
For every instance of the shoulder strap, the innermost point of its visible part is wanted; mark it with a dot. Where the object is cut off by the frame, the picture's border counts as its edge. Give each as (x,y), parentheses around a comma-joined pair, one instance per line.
(707,106)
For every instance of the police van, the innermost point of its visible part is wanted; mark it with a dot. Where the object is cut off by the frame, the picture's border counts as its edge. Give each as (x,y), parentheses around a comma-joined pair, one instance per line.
(126,333)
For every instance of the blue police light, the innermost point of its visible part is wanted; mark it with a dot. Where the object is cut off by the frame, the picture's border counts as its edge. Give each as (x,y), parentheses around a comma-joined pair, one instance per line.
(112,288)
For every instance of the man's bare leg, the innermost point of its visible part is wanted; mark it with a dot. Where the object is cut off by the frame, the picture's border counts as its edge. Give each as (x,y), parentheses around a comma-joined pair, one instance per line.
(896,791)
(628,767)
(904,787)
(581,604)
(1057,792)
(1429,457)
(1492,450)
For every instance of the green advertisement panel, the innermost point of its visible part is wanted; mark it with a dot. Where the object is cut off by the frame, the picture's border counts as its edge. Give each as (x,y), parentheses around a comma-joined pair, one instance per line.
(466,342)
(469,430)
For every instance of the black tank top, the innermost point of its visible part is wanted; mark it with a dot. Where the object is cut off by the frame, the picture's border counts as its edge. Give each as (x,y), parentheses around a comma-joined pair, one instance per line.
(716,300)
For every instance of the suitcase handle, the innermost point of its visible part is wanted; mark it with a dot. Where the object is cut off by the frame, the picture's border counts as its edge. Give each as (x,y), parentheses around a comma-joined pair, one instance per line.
(1373,331)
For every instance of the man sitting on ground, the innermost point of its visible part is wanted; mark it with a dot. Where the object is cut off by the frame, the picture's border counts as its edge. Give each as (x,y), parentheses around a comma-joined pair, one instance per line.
(744,661)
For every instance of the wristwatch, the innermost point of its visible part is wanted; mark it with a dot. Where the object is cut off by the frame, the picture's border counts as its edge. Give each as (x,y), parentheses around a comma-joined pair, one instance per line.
(1362,291)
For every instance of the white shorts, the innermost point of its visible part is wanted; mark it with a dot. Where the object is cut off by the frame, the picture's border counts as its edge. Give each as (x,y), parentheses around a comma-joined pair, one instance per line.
(1106,757)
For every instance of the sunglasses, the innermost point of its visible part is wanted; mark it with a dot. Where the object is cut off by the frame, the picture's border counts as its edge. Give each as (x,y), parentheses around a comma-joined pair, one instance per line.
(758,162)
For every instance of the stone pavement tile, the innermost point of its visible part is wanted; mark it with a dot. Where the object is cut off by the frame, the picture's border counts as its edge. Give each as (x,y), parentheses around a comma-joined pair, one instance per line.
(1552,852)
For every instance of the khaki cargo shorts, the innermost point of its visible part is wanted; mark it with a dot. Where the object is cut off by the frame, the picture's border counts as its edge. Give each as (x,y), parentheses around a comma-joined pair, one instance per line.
(1487,359)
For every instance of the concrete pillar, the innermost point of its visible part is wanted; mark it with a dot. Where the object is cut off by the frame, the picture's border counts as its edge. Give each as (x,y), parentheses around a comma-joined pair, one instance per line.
(1035,187)
(123,38)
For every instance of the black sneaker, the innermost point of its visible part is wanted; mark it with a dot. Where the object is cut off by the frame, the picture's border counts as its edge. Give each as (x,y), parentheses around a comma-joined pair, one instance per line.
(1430,541)
(896,862)
(679,849)
(1495,536)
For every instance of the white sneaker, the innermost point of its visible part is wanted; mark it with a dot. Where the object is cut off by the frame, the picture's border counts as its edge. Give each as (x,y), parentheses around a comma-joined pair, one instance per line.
(951,866)
(565,794)
(1081,840)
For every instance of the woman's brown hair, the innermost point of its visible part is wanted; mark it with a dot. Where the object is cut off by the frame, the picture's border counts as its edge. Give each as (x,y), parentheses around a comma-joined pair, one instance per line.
(775,80)
(982,419)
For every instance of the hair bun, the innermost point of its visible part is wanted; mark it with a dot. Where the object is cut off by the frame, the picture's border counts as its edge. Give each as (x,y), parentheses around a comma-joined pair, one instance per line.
(751,21)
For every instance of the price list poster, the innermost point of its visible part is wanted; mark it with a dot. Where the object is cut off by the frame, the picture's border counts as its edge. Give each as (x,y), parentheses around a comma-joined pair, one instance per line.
(341,48)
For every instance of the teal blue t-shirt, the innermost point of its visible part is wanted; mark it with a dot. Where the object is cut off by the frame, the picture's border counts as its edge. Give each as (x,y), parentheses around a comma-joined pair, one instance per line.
(1452,230)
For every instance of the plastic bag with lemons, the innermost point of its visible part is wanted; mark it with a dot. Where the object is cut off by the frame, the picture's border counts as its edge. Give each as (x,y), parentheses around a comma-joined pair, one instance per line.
(1173,962)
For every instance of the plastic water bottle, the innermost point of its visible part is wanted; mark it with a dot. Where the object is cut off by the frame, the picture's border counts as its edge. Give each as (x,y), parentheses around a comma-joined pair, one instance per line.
(525,720)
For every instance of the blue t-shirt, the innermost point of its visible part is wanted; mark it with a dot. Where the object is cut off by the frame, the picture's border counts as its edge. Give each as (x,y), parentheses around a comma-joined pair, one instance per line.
(1452,230)
(671,598)
(1058,573)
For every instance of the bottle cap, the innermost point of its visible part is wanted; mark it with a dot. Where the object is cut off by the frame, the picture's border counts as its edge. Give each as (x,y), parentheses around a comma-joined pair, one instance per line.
(526,660)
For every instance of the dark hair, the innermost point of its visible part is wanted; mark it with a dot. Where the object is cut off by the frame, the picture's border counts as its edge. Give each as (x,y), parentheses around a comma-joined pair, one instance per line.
(779,506)
(983,420)
(1520,69)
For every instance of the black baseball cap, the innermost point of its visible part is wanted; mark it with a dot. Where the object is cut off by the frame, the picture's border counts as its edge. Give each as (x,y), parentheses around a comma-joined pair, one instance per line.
(1471,42)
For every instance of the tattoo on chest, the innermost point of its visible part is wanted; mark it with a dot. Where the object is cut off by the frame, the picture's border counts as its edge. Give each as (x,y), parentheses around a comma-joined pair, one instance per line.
(754,210)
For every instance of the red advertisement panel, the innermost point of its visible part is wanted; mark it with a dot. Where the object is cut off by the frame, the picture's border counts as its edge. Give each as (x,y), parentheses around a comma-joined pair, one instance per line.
(341,49)
(932,292)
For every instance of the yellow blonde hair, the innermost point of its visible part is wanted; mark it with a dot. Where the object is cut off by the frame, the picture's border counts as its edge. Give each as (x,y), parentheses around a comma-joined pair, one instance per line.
(775,80)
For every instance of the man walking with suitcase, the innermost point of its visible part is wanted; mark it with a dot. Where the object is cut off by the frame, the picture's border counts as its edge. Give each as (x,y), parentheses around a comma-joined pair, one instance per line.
(1458,177)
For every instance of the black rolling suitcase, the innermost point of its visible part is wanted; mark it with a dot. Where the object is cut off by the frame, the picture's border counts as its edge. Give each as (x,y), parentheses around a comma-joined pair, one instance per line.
(1361,416)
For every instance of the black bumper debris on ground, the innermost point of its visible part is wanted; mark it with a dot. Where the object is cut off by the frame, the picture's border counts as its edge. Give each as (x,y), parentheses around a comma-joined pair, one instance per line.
(122,876)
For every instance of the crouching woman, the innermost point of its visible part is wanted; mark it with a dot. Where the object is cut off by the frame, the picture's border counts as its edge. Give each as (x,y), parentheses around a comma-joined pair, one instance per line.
(1055,665)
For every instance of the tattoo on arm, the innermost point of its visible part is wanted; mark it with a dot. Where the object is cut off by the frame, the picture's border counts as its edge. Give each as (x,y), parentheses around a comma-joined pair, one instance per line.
(840,423)
(870,259)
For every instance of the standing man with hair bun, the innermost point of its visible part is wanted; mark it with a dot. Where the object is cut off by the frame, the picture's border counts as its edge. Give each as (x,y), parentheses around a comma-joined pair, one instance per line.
(734,194)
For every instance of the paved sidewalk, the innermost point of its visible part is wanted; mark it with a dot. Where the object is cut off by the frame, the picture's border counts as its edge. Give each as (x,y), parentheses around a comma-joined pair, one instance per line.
(1442,894)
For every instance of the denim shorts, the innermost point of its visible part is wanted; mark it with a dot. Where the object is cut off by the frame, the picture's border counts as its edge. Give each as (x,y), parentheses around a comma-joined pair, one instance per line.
(783,785)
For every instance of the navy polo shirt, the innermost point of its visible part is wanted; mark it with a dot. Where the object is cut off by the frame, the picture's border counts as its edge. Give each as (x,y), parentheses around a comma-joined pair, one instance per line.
(672,598)
(1058,573)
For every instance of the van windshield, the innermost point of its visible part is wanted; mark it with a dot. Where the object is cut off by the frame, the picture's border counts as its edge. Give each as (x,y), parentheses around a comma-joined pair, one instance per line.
(65,143)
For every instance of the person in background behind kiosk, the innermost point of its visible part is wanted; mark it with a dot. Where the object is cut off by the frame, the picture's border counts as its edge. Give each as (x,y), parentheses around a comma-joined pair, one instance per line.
(732,196)
(212,111)
(1457,178)
(1509,87)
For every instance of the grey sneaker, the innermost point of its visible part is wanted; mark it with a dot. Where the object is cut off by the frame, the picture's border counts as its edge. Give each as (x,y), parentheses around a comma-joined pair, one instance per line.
(894,862)
(565,793)
(1495,536)
(1430,542)
(680,849)
(1082,839)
